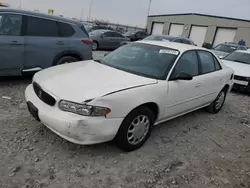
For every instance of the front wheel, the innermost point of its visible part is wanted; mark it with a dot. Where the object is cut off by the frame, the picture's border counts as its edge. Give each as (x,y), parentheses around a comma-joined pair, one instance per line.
(218,103)
(66,59)
(135,129)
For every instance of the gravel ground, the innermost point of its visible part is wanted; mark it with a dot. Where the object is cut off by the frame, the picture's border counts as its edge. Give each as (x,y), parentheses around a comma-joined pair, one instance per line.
(197,150)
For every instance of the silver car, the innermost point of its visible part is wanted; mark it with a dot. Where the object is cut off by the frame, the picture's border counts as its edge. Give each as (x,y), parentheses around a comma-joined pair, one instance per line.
(107,39)
(222,50)
(31,41)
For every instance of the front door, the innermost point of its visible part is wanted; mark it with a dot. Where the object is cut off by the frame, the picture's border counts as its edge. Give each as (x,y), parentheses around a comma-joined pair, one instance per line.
(11,44)
(184,95)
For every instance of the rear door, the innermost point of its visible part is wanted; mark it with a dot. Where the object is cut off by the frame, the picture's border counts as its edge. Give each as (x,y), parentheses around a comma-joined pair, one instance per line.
(118,39)
(109,40)
(44,42)
(11,44)
(211,77)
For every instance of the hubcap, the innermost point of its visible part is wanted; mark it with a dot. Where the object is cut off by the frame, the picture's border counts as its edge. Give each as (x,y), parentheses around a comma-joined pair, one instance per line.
(94,46)
(220,100)
(138,129)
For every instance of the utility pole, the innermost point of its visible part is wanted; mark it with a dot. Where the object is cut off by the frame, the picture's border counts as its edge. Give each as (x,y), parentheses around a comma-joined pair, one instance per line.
(149,6)
(90,9)
(81,14)
(20,3)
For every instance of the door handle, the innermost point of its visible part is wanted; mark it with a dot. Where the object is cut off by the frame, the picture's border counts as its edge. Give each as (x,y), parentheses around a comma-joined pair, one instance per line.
(197,85)
(15,43)
(60,43)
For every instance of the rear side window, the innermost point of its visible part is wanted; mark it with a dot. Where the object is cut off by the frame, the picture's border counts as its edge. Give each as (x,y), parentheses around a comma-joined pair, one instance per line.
(177,40)
(41,27)
(217,64)
(65,30)
(207,62)
(84,29)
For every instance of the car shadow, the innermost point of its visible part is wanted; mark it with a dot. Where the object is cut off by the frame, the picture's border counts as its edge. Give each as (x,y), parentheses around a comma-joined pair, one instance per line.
(15,80)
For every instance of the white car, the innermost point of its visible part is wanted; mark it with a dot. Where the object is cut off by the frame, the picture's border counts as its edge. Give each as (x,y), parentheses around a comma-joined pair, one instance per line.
(128,91)
(239,61)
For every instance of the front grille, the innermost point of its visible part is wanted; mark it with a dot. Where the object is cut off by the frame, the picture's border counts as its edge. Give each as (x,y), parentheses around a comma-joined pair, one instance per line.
(236,77)
(45,97)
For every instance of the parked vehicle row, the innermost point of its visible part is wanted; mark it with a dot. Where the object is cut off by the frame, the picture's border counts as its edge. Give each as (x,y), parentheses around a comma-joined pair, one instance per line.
(31,41)
(239,61)
(224,49)
(182,40)
(123,95)
(107,39)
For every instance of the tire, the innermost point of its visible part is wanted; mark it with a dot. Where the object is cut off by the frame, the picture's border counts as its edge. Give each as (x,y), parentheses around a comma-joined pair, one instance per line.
(218,103)
(130,140)
(95,46)
(66,59)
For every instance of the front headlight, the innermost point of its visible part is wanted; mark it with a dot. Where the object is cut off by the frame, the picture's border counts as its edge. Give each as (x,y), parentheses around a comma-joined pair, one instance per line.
(83,109)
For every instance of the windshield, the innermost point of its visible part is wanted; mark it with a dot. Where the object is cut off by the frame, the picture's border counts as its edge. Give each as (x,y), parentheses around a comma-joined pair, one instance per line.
(129,33)
(157,38)
(142,59)
(239,57)
(225,48)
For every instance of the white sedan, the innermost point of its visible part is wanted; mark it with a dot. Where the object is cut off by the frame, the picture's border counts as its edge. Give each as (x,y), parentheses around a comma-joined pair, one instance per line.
(239,61)
(128,91)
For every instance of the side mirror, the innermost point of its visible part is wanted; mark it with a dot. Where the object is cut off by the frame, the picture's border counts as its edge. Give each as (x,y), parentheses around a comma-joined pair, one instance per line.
(181,76)
(220,57)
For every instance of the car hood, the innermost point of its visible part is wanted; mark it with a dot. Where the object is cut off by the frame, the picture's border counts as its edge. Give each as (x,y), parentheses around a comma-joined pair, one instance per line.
(86,80)
(240,69)
(219,53)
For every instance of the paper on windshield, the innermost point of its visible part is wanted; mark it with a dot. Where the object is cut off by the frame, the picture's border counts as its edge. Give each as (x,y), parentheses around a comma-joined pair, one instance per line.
(167,51)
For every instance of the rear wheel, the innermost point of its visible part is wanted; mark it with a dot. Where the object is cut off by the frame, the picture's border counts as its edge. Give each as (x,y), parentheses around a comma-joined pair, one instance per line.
(135,129)
(66,59)
(218,103)
(95,46)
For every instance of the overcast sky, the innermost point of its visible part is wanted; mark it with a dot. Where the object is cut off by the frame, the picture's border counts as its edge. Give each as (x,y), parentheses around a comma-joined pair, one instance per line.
(134,12)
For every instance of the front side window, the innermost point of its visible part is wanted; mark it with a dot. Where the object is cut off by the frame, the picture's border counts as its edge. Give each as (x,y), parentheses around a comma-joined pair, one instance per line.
(239,57)
(225,48)
(207,62)
(42,27)
(188,63)
(142,59)
(10,24)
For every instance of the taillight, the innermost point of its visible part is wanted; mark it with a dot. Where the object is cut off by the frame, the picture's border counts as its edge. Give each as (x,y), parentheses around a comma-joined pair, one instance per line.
(87,41)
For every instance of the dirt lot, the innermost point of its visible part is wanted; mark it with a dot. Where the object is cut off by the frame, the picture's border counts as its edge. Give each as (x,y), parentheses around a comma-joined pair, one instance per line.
(197,150)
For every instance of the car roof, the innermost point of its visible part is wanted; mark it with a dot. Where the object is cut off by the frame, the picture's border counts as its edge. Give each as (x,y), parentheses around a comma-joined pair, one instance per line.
(230,44)
(38,14)
(178,46)
(172,37)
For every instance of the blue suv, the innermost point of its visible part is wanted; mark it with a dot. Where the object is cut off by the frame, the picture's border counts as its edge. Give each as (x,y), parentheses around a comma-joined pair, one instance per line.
(31,41)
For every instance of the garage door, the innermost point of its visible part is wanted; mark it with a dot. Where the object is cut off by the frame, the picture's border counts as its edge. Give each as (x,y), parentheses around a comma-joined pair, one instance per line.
(176,30)
(224,35)
(198,34)
(157,28)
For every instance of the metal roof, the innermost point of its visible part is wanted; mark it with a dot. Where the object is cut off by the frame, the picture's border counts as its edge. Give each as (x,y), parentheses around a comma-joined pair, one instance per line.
(197,14)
